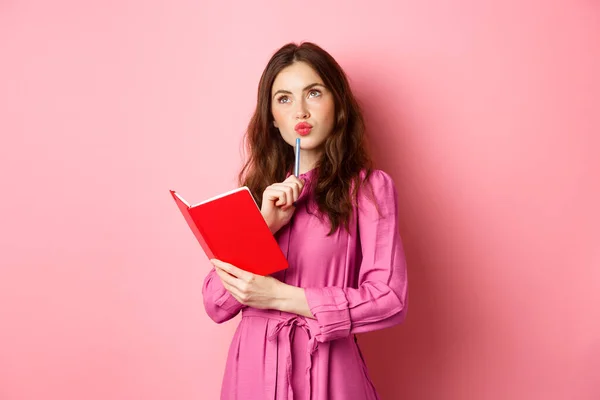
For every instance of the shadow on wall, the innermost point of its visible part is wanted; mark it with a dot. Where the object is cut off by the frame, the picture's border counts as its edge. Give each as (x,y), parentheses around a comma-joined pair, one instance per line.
(402,359)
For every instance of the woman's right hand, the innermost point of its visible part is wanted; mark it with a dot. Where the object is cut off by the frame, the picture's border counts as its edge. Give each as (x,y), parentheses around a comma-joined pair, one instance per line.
(278,202)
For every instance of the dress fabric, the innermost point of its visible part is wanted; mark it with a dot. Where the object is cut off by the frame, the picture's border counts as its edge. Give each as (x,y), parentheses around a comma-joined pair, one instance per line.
(355,281)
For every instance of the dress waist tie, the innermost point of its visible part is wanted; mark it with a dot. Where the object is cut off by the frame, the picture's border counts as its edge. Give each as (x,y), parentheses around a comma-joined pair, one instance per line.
(291,321)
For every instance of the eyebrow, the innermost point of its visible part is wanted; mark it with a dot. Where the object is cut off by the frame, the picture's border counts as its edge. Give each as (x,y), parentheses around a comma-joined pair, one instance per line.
(312,85)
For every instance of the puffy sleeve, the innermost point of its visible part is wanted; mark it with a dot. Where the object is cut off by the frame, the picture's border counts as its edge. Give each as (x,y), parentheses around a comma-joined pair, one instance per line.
(380,300)
(219,304)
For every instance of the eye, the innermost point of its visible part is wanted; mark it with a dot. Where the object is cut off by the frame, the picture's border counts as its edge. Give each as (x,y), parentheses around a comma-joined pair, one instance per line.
(283,100)
(314,93)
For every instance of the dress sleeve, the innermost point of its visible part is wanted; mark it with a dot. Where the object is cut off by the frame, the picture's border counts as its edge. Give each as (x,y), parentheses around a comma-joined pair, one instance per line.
(219,304)
(380,300)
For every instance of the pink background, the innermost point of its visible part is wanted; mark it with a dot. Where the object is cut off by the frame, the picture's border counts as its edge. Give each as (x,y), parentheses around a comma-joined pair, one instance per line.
(485,113)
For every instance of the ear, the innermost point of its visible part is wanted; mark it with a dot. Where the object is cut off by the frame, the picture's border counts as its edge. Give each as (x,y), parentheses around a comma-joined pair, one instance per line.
(275,124)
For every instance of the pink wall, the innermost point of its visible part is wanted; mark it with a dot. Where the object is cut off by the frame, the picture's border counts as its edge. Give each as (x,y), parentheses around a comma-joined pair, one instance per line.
(486,115)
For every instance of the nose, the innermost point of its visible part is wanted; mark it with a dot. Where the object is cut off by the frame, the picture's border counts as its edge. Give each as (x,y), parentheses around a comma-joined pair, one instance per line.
(302,111)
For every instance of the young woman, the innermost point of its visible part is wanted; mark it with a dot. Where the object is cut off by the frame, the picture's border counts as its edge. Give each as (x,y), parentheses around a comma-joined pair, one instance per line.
(336,222)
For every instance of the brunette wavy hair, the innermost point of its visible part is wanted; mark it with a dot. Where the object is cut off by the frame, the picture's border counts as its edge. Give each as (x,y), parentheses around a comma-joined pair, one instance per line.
(345,156)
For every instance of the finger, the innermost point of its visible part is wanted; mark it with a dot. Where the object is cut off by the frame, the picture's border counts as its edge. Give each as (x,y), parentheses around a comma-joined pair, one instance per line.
(296,191)
(289,193)
(295,187)
(276,195)
(226,278)
(297,181)
(234,291)
(233,270)
(239,299)
(235,286)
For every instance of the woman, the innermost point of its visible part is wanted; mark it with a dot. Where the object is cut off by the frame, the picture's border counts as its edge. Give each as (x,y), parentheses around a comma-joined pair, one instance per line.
(337,225)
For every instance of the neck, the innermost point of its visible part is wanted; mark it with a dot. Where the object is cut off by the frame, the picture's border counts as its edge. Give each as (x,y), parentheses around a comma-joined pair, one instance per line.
(308,160)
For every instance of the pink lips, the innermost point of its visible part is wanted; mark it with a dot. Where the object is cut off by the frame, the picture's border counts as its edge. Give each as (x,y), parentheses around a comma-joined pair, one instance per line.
(303,128)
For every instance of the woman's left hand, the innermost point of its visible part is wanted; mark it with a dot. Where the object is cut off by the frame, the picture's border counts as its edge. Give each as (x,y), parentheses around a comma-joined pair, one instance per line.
(249,289)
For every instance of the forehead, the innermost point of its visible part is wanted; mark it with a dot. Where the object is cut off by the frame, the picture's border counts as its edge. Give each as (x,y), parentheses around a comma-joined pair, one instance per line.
(296,77)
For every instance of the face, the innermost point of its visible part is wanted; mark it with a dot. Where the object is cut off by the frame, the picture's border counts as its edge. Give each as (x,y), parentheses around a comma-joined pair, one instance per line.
(302,107)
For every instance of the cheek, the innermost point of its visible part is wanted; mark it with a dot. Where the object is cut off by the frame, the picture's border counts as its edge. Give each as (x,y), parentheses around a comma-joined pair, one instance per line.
(279,116)
(327,111)
(275,114)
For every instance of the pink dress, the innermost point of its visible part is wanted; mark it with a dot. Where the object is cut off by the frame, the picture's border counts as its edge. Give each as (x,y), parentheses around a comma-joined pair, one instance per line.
(354,282)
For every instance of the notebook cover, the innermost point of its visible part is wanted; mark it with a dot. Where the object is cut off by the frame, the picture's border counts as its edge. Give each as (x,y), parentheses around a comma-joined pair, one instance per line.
(231,228)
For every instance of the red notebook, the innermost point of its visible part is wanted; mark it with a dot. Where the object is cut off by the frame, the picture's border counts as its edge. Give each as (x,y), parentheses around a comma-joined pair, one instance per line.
(230,227)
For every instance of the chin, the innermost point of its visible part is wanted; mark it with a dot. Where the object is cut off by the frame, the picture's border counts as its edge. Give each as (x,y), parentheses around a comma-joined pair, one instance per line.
(308,143)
